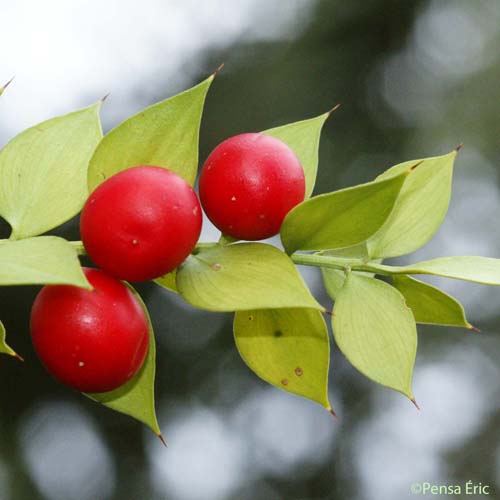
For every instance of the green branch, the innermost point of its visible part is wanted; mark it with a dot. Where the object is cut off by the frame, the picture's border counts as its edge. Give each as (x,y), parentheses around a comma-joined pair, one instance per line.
(342,264)
(78,246)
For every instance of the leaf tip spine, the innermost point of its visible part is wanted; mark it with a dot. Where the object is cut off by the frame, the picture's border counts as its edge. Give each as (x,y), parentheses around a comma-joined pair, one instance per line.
(473,328)
(459,147)
(19,358)
(218,70)
(162,439)
(332,413)
(332,110)
(103,98)
(411,169)
(7,84)
(414,401)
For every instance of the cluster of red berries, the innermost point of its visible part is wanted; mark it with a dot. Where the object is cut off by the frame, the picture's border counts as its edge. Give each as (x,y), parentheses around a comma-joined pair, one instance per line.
(141,224)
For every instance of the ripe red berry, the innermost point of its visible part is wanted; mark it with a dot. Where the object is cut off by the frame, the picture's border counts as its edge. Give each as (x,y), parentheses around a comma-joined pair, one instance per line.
(93,341)
(141,223)
(249,183)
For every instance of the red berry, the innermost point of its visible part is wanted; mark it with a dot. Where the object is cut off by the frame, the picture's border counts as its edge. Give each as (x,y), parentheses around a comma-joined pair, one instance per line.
(141,223)
(93,341)
(249,183)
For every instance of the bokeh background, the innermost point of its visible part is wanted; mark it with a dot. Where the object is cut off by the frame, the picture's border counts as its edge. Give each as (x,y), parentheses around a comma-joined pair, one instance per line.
(415,79)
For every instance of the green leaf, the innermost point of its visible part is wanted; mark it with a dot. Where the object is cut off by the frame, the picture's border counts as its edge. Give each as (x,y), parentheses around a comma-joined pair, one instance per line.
(483,270)
(43,172)
(241,277)
(334,280)
(40,261)
(303,138)
(430,304)
(288,348)
(165,135)
(420,208)
(342,218)
(168,281)
(376,331)
(136,397)
(4,348)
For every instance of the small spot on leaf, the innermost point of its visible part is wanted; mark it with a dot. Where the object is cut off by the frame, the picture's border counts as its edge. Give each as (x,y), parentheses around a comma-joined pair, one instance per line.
(298,371)
(216,267)
(278,333)
(250,318)
(284,381)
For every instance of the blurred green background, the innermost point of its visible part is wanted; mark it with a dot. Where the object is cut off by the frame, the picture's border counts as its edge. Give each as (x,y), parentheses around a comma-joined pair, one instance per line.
(414,79)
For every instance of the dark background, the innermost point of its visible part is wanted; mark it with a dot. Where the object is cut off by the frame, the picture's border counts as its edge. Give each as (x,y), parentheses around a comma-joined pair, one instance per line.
(415,79)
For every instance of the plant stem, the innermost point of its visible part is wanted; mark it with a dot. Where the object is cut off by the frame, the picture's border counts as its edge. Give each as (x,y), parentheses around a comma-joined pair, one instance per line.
(78,246)
(203,246)
(316,260)
(340,263)
(226,240)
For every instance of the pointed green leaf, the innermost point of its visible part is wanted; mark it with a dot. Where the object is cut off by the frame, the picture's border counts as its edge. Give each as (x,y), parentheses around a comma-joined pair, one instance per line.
(420,208)
(40,261)
(136,397)
(168,281)
(288,348)
(303,138)
(430,304)
(342,218)
(241,277)
(165,135)
(43,172)
(483,270)
(376,331)
(4,348)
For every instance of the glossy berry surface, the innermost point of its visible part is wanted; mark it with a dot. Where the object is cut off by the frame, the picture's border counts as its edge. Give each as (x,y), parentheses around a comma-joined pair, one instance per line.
(249,183)
(141,223)
(91,340)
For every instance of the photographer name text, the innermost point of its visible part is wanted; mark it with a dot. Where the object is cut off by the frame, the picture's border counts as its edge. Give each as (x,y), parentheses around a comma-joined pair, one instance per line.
(469,488)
